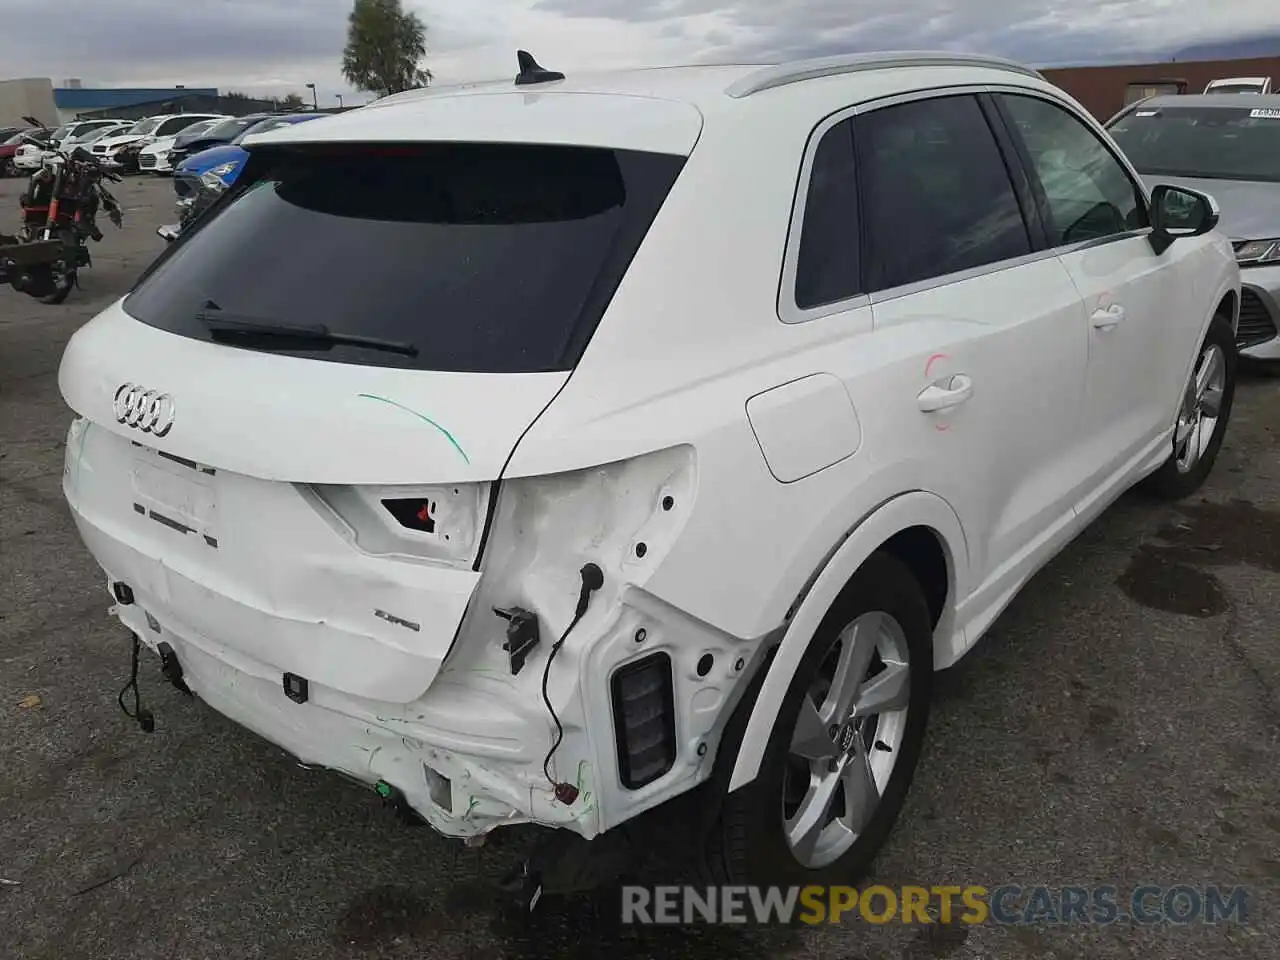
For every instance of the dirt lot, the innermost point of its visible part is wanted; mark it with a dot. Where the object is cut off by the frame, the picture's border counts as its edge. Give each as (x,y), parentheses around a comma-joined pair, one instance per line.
(1119,725)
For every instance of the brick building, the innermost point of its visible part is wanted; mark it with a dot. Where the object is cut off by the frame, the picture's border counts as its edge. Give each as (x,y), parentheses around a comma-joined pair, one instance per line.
(1106,90)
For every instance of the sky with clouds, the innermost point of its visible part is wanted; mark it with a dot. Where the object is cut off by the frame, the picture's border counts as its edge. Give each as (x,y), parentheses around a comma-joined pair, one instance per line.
(274,46)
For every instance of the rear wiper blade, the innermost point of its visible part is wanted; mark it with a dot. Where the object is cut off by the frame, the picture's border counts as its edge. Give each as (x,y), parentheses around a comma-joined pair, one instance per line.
(219,323)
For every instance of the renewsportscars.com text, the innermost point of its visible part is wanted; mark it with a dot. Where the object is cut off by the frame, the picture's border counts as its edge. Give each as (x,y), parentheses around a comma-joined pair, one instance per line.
(1008,905)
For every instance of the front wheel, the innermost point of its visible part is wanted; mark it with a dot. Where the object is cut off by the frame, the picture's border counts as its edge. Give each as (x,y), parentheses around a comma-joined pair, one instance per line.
(1202,417)
(845,744)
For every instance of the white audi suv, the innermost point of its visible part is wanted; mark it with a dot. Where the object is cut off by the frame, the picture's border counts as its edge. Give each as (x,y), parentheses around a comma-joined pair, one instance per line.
(540,451)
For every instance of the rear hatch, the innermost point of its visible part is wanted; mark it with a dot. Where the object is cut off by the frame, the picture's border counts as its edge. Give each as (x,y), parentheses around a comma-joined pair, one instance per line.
(305,394)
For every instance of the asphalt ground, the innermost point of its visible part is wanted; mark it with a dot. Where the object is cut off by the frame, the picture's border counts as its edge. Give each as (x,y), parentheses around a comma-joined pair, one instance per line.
(1120,725)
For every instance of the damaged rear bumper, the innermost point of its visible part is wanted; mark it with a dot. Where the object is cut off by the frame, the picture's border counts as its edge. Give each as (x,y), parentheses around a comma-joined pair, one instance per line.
(258,616)
(464,761)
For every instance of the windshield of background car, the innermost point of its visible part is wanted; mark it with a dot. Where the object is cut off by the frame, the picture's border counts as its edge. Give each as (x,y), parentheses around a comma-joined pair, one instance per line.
(262,126)
(494,258)
(1222,143)
(141,128)
(229,129)
(61,133)
(197,127)
(16,138)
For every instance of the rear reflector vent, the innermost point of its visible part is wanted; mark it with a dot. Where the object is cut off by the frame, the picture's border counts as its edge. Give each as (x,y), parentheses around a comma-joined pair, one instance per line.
(644,720)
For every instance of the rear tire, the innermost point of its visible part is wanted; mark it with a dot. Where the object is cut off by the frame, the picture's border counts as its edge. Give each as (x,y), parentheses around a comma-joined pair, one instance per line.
(1201,423)
(760,837)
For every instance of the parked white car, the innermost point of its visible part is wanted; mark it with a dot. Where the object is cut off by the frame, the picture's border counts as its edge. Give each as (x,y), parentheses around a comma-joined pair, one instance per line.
(1260,85)
(86,137)
(154,157)
(68,136)
(28,157)
(673,438)
(147,131)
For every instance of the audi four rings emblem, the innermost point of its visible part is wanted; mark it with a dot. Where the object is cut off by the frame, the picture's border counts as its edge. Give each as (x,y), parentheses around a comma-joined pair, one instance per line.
(148,410)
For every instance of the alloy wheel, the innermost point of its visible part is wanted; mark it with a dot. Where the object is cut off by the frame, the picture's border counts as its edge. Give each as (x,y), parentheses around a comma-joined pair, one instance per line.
(847,739)
(1201,407)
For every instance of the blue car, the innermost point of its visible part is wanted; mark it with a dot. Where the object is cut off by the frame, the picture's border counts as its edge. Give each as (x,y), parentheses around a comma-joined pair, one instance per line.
(224,162)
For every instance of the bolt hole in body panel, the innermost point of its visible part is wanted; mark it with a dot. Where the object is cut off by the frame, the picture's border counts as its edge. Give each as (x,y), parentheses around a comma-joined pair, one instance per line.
(804,426)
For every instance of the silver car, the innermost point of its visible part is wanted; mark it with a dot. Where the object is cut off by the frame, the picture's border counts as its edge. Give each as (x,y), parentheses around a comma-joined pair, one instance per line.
(1229,147)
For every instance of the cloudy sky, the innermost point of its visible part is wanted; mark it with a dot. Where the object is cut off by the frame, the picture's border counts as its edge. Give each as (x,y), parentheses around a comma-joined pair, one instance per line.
(274,46)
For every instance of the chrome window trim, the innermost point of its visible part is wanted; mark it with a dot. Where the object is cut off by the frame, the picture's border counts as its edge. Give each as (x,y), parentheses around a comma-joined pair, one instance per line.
(946,279)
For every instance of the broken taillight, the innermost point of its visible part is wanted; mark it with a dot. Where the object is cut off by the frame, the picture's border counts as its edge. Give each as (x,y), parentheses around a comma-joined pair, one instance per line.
(439,522)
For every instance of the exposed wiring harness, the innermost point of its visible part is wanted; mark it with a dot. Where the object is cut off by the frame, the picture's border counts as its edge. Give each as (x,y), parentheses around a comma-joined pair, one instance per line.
(592,580)
(139,713)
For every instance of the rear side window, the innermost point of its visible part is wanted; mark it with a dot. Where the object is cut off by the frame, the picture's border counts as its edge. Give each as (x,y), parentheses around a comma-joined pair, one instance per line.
(495,258)
(936,195)
(827,265)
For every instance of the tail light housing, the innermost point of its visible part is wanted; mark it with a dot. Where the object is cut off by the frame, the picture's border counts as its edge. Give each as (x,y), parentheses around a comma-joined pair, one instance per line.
(442,522)
(644,719)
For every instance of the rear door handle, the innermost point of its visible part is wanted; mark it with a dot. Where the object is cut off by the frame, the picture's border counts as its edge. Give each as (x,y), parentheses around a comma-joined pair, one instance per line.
(945,393)
(1107,318)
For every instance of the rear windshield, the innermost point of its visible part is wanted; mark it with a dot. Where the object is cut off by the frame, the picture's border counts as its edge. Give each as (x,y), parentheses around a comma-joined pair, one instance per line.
(1217,143)
(495,258)
(1235,88)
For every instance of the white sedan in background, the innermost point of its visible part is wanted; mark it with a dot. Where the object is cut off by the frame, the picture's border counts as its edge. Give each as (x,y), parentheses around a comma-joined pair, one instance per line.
(154,157)
(28,157)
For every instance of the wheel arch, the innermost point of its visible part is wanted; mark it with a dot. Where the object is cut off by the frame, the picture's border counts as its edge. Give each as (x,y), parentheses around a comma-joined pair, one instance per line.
(920,529)
(1225,302)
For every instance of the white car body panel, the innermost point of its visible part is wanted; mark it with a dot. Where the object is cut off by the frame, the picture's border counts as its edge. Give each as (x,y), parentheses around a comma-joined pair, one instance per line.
(671,433)
(261,430)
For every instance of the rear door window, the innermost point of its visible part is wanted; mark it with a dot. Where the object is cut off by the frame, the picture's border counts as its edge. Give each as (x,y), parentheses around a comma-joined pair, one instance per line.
(495,258)
(936,195)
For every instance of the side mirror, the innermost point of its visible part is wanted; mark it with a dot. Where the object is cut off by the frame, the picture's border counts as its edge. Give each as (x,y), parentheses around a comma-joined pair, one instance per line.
(1180,212)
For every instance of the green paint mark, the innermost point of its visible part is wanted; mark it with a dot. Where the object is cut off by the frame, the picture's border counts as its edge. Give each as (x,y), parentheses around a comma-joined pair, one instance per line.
(470,806)
(447,435)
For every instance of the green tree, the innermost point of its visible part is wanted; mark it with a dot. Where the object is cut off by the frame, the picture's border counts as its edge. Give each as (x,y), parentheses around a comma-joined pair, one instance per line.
(235,95)
(385,48)
(291,101)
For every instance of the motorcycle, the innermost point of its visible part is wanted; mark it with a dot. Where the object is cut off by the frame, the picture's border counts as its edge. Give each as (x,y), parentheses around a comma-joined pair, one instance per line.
(59,217)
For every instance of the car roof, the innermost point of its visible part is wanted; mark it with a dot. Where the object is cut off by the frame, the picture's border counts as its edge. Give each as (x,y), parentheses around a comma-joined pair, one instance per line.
(665,106)
(1237,101)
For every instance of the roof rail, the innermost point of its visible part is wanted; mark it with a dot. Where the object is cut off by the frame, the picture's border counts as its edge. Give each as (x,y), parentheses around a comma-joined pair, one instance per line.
(779,75)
